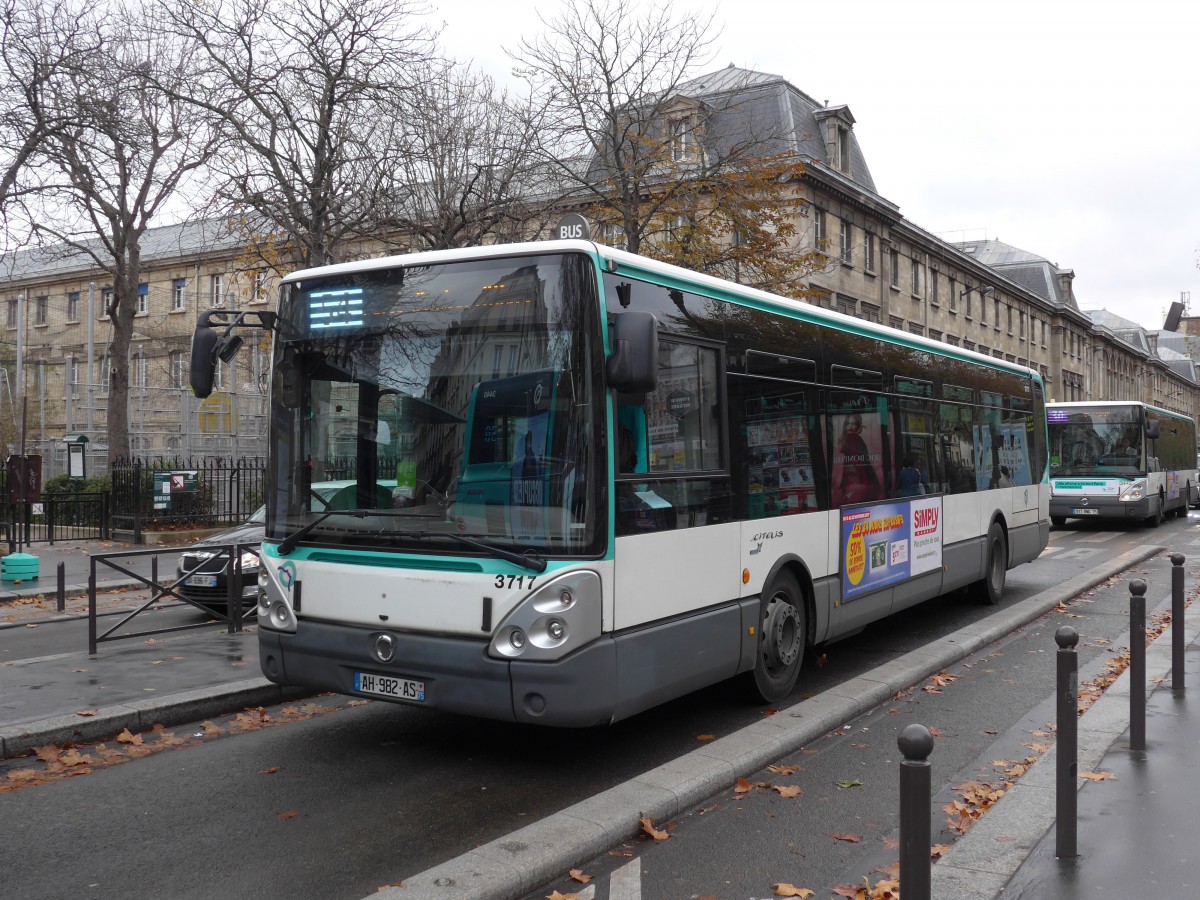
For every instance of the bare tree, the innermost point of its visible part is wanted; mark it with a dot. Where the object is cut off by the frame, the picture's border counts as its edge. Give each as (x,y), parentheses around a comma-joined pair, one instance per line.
(120,156)
(467,166)
(40,41)
(671,162)
(310,95)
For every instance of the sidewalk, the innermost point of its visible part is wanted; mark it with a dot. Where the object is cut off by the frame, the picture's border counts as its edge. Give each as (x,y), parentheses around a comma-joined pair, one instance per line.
(135,683)
(1138,813)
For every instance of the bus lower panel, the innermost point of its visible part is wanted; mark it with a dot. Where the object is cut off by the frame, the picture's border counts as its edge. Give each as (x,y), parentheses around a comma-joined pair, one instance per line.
(962,564)
(458,674)
(1107,508)
(1026,542)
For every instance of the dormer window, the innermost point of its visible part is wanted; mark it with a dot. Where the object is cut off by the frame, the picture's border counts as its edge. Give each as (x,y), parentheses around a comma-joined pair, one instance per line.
(683,140)
(843,144)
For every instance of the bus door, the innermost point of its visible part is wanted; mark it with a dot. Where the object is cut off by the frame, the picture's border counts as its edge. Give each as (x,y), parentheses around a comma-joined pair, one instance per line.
(672,482)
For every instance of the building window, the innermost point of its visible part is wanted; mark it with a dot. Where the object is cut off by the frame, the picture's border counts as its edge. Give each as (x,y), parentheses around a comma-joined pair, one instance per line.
(968,345)
(819,229)
(139,370)
(73,306)
(1045,333)
(1010,321)
(935,335)
(497,360)
(844,149)
(1022,325)
(846,305)
(41,310)
(683,140)
(178,369)
(869,252)
(847,248)
(896,322)
(106,301)
(179,293)
(12,313)
(952,340)
(260,286)
(894,259)
(953,296)
(218,289)
(933,287)
(996,310)
(870,312)
(914,328)
(143,301)
(916,277)
(72,375)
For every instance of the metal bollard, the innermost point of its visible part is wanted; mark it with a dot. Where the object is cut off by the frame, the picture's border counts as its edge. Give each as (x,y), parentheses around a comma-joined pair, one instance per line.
(916,743)
(1066,783)
(1137,664)
(62,586)
(1177,613)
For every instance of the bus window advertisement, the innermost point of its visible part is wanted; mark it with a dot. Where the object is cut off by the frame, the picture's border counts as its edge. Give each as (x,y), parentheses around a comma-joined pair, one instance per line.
(857,458)
(888,543)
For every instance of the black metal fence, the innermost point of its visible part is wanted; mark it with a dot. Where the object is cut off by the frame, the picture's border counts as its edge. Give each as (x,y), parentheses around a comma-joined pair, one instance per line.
(171,493)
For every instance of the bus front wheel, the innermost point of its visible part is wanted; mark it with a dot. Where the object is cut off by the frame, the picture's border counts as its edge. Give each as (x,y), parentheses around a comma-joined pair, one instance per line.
(990,588)
(781,638)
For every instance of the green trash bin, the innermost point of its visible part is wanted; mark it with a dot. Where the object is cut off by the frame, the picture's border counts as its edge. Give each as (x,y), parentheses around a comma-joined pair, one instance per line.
(19,567)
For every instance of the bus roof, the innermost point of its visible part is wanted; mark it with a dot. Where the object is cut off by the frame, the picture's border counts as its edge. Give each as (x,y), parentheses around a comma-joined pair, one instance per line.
(617,260)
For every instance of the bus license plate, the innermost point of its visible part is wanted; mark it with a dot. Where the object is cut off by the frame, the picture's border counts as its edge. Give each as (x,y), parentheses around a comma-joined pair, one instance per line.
(386,686)
(202,581)
(1086,511)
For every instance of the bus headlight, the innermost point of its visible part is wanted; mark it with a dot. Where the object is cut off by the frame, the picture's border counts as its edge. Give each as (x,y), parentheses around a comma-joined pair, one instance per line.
(1135,490)
(552,621)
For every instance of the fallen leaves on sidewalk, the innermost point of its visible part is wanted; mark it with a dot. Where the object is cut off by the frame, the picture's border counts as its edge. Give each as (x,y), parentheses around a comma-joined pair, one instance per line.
(1097,776)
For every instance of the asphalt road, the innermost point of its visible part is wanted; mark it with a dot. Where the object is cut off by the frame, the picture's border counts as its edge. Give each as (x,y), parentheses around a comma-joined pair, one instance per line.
(343,799)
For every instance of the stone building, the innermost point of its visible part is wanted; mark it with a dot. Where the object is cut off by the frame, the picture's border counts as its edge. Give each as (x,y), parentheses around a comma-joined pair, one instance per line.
(984,296)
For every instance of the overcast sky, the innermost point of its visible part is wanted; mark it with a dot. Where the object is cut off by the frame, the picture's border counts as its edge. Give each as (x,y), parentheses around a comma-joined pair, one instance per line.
(1067,128)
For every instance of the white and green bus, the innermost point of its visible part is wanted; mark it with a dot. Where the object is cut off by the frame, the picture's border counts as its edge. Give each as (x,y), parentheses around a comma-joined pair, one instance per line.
(589,482)
(1120,460)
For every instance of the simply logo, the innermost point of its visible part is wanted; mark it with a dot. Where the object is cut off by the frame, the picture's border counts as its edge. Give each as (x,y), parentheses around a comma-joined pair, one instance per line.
(287,574)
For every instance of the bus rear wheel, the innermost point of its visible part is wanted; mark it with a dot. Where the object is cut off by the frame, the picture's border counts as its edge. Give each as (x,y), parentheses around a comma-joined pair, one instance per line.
(990,588)
(781,638)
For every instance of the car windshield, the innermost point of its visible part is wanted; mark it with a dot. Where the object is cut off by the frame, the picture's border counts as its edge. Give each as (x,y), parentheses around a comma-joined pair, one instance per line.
(463,399)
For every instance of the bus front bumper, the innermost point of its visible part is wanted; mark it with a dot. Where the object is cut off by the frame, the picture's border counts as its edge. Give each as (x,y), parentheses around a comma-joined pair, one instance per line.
(1105,507)
(457,675)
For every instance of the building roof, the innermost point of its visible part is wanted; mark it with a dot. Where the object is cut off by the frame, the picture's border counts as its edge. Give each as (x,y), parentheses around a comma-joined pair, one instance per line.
(171,242)
(769,104)
(1032,272)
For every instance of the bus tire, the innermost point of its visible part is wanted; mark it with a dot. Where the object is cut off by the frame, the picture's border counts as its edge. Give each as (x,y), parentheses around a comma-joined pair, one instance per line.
(1184,502)
(782,633)
(1155,518)
(990,588)
(1058,521)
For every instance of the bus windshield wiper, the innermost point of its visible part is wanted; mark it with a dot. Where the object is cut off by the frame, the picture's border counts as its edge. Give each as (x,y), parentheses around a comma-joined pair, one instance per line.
(529,559)
(288,544)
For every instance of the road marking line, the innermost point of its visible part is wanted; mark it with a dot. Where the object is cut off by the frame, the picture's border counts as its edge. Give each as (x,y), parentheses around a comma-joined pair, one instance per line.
(1101,537)
(626,882)
(1081,553)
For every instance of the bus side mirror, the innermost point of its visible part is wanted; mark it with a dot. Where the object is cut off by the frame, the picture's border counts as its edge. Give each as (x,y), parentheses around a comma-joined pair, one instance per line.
(203,367)
(1153,429)
(633,366)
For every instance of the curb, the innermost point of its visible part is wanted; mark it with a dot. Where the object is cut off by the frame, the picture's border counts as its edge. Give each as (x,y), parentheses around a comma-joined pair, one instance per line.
(170,709)
(511,866)
(69,590)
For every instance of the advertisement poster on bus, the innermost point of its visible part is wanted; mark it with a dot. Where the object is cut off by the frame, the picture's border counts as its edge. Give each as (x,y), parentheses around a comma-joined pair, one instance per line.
(857,457)
(887,543)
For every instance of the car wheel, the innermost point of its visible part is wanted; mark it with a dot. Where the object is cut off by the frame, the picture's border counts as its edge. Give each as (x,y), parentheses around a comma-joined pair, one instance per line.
(1058,521)
(782,634)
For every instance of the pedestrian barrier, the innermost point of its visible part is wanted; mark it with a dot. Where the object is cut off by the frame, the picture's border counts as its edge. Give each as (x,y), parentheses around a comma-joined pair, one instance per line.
(234,615)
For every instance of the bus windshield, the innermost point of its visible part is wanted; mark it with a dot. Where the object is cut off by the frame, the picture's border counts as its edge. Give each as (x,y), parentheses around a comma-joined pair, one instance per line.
(1096,441)
(453,401)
